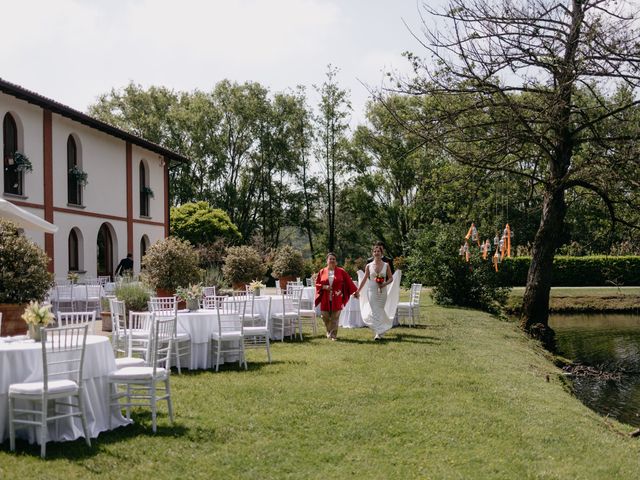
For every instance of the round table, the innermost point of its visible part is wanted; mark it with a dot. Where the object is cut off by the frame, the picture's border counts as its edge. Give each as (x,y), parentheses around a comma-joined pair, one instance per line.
(21,362)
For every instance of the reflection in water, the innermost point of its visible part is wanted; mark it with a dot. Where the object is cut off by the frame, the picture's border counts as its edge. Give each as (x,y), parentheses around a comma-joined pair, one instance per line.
(609,342)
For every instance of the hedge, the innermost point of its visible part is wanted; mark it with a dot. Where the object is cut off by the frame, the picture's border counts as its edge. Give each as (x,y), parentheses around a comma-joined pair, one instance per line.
(597,270)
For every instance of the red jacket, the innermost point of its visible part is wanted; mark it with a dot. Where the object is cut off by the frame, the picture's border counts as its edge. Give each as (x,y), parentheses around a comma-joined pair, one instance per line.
(338,296)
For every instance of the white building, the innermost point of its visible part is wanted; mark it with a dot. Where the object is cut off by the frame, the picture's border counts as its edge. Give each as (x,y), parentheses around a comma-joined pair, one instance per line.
(122,208)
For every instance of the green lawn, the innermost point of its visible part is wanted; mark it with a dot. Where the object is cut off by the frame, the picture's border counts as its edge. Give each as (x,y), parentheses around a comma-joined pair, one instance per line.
(462,396)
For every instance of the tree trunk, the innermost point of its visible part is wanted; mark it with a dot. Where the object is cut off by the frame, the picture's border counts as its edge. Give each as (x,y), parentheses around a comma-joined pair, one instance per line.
(535,304)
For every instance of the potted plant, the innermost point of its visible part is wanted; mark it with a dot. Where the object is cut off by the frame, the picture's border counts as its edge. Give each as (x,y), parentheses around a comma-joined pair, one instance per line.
(169,264)
(135,296)
(36,316)
(79,175)
(191,295)
(147,191)
(20,162)
(21,281)
(288,264)
(242,265)
(256,286)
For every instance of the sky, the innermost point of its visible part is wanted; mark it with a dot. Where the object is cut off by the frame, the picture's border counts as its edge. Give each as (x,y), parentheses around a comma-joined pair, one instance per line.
(74,50)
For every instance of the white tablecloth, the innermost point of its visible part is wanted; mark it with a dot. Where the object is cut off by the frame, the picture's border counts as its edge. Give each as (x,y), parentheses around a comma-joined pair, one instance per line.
(200,325)
(22,362)
(350,317)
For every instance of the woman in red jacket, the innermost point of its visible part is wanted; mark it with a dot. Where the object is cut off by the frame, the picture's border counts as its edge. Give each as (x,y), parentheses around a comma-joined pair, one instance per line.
(333,289)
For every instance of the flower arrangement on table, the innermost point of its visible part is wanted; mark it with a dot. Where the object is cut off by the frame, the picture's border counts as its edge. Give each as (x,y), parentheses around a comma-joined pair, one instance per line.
(73,277)
(256,286)
(36,316)
(191,295)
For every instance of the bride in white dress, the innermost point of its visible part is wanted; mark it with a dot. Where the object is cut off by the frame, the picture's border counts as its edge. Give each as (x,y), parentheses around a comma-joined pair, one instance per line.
(378,301)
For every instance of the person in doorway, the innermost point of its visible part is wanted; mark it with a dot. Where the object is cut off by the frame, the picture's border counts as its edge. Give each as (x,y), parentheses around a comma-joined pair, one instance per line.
(125,266)
(333,289)
(385,259)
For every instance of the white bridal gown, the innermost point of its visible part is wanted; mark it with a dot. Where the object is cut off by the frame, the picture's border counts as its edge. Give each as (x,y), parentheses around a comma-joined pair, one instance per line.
(378,308)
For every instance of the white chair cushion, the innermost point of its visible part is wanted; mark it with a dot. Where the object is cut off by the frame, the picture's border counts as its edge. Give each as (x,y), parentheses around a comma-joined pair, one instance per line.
(135,373)
(183,337)
(231,335)
(248,331)
(307,313)
(286,315)
(404,304)
(37,388)
(125,362)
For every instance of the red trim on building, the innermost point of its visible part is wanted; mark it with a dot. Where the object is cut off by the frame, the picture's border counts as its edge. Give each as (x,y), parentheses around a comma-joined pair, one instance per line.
(149,222)
(129,156)
(47,155)
(166,196)
(20,203)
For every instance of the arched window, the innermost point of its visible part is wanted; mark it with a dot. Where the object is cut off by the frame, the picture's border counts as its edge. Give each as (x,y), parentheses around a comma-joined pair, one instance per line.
(12,174)
(145,191)
(74,251)
(74,185)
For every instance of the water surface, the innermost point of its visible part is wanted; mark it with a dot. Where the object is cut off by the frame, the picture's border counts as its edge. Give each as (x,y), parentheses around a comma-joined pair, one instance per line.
(610,342)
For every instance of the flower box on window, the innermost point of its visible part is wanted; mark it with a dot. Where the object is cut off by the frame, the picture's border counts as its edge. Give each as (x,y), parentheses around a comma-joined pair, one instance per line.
(147,191)
(78,175)
(20,162)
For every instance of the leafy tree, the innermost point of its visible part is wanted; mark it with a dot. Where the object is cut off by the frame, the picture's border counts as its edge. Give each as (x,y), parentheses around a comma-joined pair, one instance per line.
(200,224)
(524,88)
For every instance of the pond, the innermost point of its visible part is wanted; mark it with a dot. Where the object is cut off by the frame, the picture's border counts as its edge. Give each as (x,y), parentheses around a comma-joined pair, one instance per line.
(610,342)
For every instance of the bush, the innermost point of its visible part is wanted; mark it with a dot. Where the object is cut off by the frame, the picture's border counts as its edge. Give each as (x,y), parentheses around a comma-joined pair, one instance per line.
(171,263)
(433,260)
(135,295)
(288,262)
(243,264)
(23,267)
(595,270)
(201,224)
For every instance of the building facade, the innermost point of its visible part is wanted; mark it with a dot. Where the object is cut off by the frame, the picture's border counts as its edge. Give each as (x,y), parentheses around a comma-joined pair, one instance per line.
(105,189)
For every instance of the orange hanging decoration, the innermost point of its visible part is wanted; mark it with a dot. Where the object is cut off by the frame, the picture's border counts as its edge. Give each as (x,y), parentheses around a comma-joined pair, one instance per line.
(485,249)
(507,235)
(496,260)
(473,234)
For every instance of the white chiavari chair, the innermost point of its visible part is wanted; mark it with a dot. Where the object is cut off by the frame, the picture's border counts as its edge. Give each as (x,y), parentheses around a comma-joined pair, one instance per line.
(411,309)
(168,307)
(257,335)
(228,338)
(71,319)
(287,320)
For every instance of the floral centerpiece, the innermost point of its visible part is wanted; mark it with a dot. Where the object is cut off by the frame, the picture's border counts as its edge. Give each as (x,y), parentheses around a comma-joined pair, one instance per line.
(191,295)
(36,316)
(256,285)
(73,277)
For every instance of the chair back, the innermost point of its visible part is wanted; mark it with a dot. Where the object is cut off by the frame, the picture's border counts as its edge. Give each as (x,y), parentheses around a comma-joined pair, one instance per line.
(291,300)
(162,334)
(103,280)
(293,284)
(416,288)
(230,313)
(211,302)
(164,306)
(117,310)
(63,353)
(73,319)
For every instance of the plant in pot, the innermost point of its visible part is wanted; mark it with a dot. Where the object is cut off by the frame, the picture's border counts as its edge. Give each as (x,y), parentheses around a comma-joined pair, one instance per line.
(168,264)
(37,316)
(191,295)
(288,264)
(21,281)
(135,296)
(241,265)
(256,286)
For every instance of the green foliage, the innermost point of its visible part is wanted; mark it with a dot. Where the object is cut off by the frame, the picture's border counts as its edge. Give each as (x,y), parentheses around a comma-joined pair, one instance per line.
(434,260)
(243,264)
(287,262)
(80,176)
(213,277)
(201,224)
(135,295)
(171,263)
(23,267)
(596,270)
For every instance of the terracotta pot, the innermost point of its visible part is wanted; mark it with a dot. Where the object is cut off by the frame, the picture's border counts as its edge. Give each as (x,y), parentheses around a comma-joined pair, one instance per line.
(12,324)
(106,321)
(239,285)
(286,279)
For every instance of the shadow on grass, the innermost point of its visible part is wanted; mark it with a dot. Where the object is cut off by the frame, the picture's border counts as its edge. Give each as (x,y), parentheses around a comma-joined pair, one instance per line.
(230,367)
(78,450)
(398,337)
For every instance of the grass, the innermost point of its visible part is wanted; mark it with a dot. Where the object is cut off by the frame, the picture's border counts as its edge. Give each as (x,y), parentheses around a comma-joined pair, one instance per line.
(462,396)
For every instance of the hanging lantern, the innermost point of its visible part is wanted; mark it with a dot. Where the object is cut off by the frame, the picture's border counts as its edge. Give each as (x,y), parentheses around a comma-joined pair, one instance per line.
(496,240)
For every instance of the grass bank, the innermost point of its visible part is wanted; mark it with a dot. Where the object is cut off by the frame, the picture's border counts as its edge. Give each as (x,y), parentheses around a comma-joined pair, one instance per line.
(585,299)
(462,396)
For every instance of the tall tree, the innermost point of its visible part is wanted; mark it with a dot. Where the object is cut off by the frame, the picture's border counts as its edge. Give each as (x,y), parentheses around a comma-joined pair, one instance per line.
(331,130)
(525,87)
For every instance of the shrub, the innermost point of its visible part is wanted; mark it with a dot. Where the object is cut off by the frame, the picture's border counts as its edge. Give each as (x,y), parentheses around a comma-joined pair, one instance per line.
(170,263)
(135,295)
(433,260)
(243,264)
(23,267)
(287,262)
